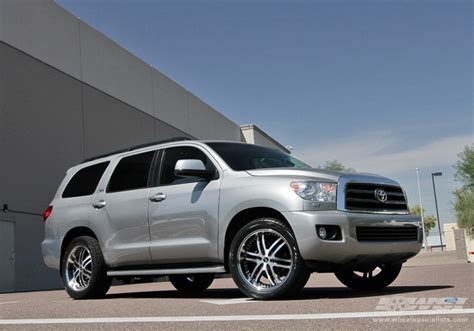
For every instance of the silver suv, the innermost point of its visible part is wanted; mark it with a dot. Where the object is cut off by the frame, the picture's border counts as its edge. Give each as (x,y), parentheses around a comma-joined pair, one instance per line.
(193,209)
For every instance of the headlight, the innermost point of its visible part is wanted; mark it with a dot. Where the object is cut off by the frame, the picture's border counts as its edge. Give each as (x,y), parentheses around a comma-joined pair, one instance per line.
(315,191)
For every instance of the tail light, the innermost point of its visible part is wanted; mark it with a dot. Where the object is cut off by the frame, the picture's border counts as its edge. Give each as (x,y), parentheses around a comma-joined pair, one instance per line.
(47,213)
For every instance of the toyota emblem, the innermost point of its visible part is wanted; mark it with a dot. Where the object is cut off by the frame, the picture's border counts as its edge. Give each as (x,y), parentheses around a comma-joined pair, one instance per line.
(380,195)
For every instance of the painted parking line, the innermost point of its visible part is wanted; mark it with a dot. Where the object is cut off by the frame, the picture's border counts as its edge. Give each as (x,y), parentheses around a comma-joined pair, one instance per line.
(232,318)
(229,301)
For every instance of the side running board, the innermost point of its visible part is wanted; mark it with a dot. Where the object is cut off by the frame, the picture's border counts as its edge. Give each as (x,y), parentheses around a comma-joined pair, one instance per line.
(155,272)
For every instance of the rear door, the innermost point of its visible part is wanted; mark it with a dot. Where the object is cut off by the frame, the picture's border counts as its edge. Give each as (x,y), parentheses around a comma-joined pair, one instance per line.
(120,212)
(75,205)
(184,224)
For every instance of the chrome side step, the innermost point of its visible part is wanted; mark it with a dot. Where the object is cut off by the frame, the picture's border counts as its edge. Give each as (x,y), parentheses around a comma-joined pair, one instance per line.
(155,272)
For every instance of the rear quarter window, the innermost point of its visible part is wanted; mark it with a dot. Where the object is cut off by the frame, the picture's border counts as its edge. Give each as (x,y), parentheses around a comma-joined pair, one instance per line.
(85,181)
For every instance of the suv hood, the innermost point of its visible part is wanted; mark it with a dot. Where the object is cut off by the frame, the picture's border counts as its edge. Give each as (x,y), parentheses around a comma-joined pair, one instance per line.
(312,173)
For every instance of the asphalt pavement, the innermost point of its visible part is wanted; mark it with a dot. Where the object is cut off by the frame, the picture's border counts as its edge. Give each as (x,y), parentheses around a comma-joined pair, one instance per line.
(429,297)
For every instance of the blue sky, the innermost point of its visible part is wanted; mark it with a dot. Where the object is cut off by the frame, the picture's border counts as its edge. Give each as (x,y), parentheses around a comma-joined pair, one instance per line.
(382,86)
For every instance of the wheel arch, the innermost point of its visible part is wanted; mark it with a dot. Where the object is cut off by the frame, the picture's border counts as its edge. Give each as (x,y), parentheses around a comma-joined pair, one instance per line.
(70,236)
(243,217)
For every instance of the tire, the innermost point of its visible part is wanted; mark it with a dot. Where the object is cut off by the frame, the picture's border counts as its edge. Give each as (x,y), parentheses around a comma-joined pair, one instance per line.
(366,280)
(89,281)
(264,260)
(191,284)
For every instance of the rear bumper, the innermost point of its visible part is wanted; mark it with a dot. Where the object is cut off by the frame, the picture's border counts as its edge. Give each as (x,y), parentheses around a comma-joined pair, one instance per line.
(51,250)
(349,249)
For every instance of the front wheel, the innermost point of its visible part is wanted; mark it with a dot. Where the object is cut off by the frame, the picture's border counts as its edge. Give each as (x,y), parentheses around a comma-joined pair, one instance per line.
(83,270)
(265,262)
(374,279)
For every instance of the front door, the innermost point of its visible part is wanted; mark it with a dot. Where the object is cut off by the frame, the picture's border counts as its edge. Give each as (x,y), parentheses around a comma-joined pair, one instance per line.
(183,212)
(7,255)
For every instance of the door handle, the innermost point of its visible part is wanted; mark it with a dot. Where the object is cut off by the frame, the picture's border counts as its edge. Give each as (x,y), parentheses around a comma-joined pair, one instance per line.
(99,204)
(158,197)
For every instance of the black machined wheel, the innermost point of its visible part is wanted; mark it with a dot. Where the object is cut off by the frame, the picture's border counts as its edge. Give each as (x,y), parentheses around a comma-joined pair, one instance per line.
(376,278)
(83,269)
(265,262)
(191,284)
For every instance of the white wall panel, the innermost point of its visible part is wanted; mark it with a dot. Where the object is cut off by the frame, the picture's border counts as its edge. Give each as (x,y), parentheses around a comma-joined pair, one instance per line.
(42,128)
(110,68)
(44,30)
(201,119)
(226,129)
(165,131)
(110,124)
(170,102)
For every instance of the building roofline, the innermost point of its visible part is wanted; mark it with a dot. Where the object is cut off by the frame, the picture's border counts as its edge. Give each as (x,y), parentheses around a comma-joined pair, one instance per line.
(263,133)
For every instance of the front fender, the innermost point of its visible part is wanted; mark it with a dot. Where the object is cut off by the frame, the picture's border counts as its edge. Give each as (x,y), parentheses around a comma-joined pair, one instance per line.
(241,193)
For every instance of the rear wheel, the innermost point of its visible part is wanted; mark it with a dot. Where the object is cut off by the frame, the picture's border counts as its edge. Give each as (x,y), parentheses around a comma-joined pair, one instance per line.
(375,278)
(265,262)
(191,284)
(83,271)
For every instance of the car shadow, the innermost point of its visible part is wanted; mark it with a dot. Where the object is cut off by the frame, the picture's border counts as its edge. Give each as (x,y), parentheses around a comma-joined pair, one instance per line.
(307,293)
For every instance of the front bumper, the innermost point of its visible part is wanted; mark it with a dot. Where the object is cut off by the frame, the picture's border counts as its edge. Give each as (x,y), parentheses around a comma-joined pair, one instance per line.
(349,249)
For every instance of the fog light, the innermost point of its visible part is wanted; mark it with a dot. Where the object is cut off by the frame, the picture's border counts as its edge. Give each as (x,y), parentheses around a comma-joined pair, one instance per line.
(322,232)
(329,232)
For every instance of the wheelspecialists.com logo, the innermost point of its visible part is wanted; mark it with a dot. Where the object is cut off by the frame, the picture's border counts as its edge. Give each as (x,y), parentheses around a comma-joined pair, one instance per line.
(422,303)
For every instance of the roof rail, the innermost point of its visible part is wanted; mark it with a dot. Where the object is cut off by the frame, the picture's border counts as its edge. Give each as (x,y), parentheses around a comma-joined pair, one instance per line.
(123,150)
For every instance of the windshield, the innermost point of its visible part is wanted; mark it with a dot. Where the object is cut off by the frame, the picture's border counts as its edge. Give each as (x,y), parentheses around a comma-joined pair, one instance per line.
(247,157)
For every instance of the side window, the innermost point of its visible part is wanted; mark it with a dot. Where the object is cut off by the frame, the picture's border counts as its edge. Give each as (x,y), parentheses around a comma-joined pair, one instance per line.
(131,173)
(172,155)
(85,181)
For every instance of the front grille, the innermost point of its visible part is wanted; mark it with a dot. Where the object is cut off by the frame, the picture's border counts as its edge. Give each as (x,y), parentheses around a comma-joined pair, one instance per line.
(387,233)
(362,197)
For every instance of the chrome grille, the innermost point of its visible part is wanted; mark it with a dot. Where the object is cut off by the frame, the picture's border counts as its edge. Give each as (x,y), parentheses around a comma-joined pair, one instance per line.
(387,233)
(363,197)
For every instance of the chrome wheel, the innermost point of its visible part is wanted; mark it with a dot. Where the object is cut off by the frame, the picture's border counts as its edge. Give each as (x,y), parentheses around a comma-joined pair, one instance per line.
(78,269)
(265,259)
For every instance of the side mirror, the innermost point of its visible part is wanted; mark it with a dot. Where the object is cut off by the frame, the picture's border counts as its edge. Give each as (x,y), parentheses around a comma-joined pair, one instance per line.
(192,168)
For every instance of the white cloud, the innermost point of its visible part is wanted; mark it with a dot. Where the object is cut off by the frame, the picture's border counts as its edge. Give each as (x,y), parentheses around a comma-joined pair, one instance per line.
(381,152)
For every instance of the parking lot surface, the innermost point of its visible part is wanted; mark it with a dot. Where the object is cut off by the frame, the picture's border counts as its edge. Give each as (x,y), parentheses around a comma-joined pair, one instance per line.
(423,297)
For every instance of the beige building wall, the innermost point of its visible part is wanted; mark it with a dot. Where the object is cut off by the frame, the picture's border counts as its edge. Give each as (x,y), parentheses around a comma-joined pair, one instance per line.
(450,240)
(449,235)
(252,134)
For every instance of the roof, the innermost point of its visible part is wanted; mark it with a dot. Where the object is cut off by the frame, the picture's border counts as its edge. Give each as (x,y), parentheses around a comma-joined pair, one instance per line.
(159,142)
(132,148)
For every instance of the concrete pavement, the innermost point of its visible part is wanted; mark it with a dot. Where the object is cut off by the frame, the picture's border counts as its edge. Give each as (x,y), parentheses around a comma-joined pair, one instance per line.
(416,300)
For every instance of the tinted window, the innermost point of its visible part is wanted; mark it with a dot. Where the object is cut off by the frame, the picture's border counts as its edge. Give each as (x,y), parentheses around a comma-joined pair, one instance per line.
(131,173)
(85,181)
(247,157)
(172,155)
